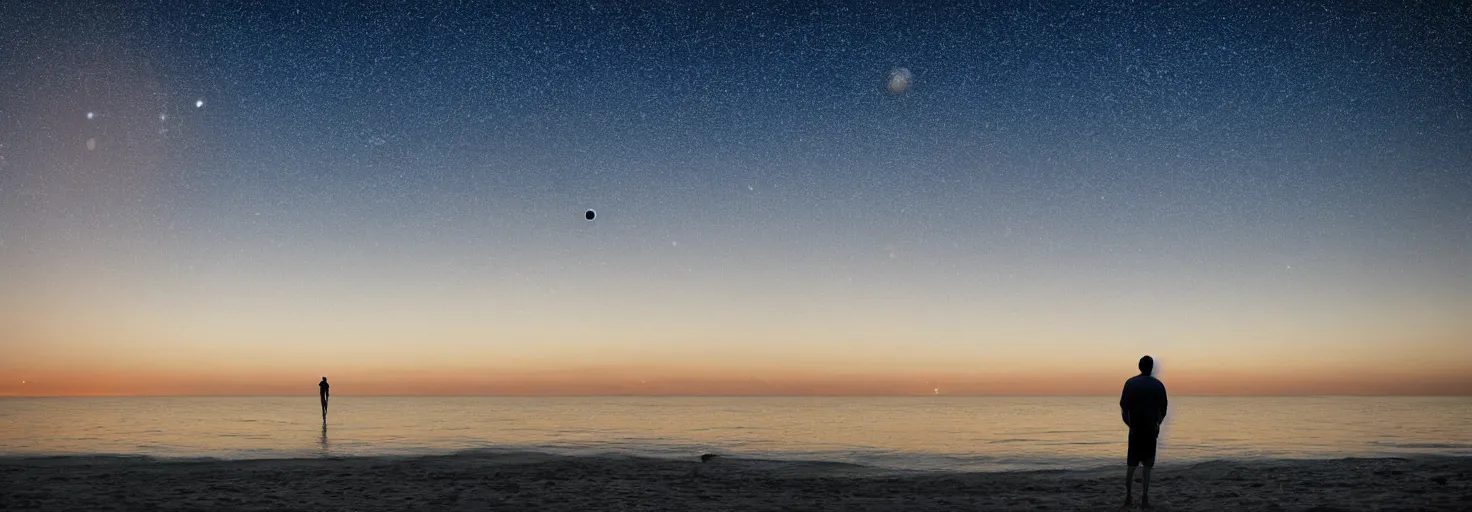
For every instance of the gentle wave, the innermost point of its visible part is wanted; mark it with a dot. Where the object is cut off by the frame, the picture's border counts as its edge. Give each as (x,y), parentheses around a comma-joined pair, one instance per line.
(1430,446)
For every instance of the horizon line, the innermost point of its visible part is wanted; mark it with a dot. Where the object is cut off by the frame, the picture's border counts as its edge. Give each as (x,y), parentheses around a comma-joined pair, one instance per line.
(718,395)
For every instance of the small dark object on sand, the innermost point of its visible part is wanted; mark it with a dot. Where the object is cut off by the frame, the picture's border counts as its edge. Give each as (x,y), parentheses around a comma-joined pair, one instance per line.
(707,457)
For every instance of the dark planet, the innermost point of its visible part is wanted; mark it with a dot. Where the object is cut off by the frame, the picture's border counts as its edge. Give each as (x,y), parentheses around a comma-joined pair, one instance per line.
(589,215)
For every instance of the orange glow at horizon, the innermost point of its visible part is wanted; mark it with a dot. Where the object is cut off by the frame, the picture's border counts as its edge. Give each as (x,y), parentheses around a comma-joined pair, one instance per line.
(134,348)
(729,381)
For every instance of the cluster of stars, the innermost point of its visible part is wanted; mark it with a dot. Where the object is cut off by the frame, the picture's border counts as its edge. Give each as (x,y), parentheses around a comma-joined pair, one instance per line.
(163,117)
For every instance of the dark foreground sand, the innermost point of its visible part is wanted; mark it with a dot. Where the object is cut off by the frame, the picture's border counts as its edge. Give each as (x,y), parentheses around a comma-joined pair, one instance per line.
(546,482)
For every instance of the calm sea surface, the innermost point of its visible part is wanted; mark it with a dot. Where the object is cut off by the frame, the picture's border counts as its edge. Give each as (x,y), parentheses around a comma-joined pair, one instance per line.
(962,433)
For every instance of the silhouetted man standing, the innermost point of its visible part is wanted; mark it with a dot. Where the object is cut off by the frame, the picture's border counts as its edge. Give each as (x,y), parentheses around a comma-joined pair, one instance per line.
(1143,406)
(322,392)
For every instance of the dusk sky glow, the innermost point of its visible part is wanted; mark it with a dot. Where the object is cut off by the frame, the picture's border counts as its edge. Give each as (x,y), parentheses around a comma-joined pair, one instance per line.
(208,199)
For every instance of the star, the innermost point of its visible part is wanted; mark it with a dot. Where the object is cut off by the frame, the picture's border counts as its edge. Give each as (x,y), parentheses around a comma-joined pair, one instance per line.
(198,103)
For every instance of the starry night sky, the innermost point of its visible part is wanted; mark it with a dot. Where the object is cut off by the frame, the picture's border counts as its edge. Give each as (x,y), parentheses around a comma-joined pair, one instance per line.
(395,194)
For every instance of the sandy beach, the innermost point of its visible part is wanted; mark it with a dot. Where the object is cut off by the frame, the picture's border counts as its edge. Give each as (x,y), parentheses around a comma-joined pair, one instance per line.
(531,481)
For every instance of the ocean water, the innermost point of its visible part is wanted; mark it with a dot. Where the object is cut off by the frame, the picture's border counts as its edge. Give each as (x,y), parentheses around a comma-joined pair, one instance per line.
(919,433)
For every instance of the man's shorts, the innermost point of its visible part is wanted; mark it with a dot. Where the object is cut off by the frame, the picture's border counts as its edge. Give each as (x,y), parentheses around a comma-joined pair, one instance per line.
(1142,446)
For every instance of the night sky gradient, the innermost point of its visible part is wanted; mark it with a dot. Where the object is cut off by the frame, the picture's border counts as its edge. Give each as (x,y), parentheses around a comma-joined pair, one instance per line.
(1269,199)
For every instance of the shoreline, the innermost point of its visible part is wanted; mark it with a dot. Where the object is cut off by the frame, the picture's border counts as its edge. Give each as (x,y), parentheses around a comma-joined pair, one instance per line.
(541,481)
(499,455)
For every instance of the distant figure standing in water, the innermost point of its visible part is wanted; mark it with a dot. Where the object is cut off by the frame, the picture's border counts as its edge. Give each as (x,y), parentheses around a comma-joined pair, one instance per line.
(322,392)
(1143,406)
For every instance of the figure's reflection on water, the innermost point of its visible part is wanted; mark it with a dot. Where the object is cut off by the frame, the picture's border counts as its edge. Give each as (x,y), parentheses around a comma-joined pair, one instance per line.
(323,441)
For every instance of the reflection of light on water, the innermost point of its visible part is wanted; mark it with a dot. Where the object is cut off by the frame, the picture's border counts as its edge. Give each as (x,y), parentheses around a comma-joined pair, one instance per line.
(1026,432)
(323,441)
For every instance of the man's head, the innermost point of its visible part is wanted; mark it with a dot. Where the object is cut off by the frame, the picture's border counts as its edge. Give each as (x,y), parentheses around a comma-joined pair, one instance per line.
(324,379)
(1147,364)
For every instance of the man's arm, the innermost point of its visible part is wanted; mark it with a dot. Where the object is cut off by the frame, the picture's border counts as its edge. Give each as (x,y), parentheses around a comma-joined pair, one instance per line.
(1124,405)
(1163,402)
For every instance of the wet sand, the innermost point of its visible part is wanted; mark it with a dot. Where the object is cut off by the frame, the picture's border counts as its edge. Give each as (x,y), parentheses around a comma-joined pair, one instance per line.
(546,482)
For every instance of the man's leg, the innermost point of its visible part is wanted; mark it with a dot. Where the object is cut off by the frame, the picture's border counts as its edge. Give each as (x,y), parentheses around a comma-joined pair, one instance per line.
(1129,484)
(1145,486)
(1137,455)
(1147,458)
